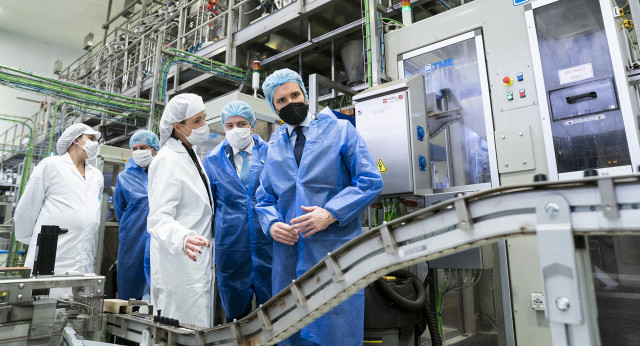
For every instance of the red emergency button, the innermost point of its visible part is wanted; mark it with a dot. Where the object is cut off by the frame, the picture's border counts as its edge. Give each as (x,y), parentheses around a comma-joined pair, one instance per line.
(508,81)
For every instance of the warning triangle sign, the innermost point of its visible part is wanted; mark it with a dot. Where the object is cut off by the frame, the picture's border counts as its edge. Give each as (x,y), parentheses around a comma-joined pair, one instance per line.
(381,167)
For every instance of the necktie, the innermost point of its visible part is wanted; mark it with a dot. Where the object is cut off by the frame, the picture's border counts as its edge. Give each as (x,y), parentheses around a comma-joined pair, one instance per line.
(244,171)
(299,147)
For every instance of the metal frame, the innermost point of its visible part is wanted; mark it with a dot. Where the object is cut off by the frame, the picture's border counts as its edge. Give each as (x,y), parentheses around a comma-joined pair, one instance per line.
(624,96)
(28,314)
(428,234)
(484,85)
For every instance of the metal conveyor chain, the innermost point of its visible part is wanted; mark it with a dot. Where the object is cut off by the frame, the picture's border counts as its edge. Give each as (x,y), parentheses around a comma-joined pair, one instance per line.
(595,206)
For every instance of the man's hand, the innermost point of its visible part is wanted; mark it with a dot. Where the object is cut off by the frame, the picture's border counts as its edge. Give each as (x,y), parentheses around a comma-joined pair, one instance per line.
(314,221)
(192,245)
(283,233)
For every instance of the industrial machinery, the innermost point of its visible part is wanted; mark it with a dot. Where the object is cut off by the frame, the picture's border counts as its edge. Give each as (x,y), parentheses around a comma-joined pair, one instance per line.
(29,316)
(565,216)
(110,162)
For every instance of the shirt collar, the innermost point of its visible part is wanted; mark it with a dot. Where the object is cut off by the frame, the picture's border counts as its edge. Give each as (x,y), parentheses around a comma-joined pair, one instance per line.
(247,149)
(305,122)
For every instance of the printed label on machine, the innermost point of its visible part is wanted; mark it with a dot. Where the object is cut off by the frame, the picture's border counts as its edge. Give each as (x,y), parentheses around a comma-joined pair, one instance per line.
(575,74)
(381,167)
(393,98)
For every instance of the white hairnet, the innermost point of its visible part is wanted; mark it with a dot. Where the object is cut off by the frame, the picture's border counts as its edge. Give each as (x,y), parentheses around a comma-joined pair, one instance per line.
(71,133)
(179,108)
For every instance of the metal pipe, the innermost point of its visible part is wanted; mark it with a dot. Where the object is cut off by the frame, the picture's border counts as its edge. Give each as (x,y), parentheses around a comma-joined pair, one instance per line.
(111,20)
(106,26)
(12,246)
(229,59)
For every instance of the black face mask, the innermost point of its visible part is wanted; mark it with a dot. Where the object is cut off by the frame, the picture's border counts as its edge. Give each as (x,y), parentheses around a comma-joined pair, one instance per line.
(294,113)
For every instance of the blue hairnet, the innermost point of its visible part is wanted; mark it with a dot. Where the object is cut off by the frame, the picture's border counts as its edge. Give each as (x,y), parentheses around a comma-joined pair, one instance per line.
(240,108)
(278,78)
(145,137)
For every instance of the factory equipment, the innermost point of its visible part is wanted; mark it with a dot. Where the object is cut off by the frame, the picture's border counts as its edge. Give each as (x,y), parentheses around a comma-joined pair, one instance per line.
(110,162)
(574,209)
(457,105)
(588,116)
(515,91)
(391,119)
(29,316)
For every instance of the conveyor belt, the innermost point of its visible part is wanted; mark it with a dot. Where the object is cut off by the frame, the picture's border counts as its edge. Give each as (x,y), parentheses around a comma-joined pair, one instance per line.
(597,206)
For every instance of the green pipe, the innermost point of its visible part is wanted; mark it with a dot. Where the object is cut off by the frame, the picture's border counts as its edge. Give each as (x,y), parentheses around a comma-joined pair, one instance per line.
(207,60)
(368,33)
(70,93)
(202,66)
(13,250)
(74,85)
(55,118)
(75,94)
(392,20)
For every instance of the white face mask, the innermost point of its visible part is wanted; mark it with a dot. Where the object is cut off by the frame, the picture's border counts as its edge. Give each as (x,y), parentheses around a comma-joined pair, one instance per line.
(239,137)
(91,148)
(199,135)
(142,158)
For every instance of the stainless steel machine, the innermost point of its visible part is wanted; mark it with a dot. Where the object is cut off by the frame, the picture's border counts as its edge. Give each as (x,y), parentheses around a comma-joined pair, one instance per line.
(30,316)
(517,90)
(110,162)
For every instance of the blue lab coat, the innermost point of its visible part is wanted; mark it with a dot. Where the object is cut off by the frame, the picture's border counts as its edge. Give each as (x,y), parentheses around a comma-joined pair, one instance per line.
(338,174)
(131,204)
(242,251)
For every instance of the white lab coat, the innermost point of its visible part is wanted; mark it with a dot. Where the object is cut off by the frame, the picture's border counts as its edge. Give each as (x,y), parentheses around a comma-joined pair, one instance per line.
(179,207)
(56,194)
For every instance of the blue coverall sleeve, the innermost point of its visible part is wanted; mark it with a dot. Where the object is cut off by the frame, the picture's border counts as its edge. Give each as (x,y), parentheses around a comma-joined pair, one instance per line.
(366,181)
(267,204)
(212,185)
(119,201)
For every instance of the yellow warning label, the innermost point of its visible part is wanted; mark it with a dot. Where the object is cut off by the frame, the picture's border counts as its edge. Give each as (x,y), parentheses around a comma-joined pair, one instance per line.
(381,167)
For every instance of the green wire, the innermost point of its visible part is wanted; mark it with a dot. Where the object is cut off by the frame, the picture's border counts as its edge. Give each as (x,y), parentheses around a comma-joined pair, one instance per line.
(439,307)
(72,93)
(393,20)
(208,61)
(54,81)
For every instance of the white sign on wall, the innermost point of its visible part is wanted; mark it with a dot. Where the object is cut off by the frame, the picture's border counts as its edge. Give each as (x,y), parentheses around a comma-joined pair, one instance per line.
(575,74)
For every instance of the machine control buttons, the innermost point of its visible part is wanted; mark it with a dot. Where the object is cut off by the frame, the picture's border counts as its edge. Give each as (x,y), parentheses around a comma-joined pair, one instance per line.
(510,96)
(422,163)
(519,77)
(420,133)
(508,81)
(522,93)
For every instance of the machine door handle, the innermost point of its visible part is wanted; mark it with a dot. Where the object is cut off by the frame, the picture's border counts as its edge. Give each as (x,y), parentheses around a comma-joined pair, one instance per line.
(581,97)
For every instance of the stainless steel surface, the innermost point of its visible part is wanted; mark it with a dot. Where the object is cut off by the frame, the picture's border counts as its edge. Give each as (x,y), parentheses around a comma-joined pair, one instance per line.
(424,235)
(468,259)
(35,317)
(388,118)
(457,105)
(585,103)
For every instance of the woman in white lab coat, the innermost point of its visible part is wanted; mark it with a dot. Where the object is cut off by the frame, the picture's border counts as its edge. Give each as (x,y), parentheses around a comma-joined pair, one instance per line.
(180,213)
(64,191)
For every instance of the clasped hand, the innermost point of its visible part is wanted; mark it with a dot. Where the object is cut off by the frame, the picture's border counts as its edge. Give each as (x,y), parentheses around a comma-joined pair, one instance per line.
(315,220)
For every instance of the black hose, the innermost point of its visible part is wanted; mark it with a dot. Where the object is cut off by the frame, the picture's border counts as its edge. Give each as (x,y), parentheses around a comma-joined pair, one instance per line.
(432,324)
(400,301)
